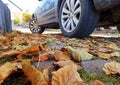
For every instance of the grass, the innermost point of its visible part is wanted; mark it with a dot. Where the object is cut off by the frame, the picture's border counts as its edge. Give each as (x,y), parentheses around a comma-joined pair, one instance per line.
(107,79)
(96,58)
(116,58)
(4,60)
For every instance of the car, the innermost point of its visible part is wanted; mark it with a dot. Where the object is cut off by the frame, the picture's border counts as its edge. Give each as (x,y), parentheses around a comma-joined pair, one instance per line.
(75,18)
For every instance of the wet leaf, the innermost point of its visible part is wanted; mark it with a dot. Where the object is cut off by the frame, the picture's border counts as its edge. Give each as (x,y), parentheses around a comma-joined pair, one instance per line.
(67,75)
(112,68)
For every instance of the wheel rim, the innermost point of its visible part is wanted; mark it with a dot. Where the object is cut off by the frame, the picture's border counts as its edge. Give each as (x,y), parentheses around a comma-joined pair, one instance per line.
(34,27)
(70,16)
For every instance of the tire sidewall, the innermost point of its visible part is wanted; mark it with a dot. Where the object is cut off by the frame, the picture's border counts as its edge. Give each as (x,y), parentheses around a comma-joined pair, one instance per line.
(41,29)
(86,9)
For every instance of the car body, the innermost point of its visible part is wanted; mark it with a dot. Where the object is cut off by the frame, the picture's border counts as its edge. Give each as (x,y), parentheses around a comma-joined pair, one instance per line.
(50,13)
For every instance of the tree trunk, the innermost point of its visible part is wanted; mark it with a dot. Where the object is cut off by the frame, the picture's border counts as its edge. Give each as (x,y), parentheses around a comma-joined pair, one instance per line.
(5,18)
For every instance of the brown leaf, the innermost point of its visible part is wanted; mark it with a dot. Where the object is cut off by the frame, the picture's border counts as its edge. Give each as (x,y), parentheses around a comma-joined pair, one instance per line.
(96,82)
(67,75)
(6,70)
(113,46)
(104,55)
(9,53)
(105,50)
(112,68)
(61,56)
(33,49)
(36,77)
(43,57)
(65,63)
(107,56)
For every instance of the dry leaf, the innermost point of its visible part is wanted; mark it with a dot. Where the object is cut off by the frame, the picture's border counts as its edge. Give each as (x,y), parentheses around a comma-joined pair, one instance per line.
(43,57)
(10,53)
(107,56)
(80,54)
(65,63)
(113,46)
(67,75)
(61,56)
(33,49)
(104,55)
(105,50)
(6,70)
(112,68)
(96,82)
(36,77)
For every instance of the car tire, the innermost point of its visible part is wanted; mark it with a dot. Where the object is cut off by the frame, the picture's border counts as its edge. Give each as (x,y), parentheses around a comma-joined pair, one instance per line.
(118,28)
(34,28)
(78,19)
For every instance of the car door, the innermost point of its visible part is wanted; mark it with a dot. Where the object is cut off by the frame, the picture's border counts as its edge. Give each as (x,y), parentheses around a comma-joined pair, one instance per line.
(46,11)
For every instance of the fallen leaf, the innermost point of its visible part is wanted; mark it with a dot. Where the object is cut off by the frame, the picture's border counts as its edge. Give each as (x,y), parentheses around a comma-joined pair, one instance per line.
(33,49)
(112,68)
(6,70)
(113,46)
(46,75)
(105,50)
(80,54)
(36,77)
(107,56)
(96,82)
(65,63)
(104,55)
(67,75)
(61,56)
(43,57)
(9,53)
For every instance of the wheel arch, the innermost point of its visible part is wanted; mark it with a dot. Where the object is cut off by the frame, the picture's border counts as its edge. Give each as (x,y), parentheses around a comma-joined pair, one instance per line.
(58,6)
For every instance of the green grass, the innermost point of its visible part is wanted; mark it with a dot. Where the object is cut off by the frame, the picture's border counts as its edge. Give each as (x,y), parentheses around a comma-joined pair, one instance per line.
(4,60)
(116,58)
(96,58)
(107,79)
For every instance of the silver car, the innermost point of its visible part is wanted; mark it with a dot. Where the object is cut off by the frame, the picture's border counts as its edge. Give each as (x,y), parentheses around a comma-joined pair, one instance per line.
(75,18)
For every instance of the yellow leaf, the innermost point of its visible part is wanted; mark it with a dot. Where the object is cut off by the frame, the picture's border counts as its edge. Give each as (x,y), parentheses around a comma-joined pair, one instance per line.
(112,68)
(67,75)
(80,54)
